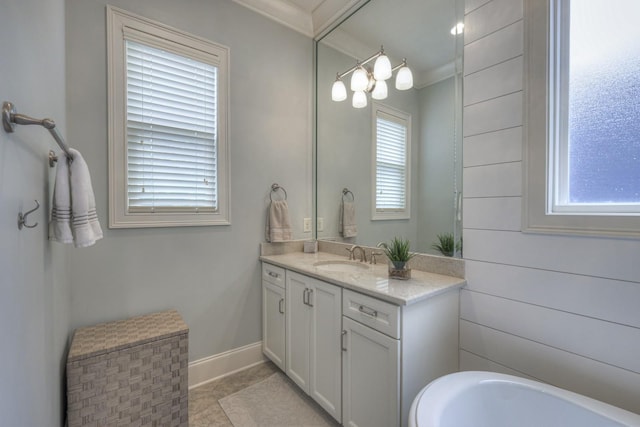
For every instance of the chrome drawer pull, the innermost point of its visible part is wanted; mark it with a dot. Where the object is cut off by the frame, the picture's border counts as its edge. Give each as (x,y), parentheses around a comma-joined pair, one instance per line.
(344,334)
(368,311)
(272,274)
(309,298)
(280,309)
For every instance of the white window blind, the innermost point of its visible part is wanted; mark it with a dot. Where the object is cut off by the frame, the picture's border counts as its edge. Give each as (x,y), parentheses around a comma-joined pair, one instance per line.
(391,163)
(168,94)
(171,131)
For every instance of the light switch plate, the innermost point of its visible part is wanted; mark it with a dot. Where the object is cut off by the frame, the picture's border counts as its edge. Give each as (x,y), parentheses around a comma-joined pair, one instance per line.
(306,227)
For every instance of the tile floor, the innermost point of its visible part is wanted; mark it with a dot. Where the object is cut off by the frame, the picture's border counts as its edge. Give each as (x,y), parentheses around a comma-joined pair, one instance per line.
(204,409)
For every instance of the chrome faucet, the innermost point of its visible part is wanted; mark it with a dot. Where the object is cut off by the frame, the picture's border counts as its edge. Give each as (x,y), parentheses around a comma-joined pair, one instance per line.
(363,254)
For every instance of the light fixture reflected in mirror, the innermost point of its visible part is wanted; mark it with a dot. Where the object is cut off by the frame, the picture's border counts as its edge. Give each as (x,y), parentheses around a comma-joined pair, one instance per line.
(364,81)
(359,79)
(338,91)
(404,78)
(382,67)
(380,91)
(359,99)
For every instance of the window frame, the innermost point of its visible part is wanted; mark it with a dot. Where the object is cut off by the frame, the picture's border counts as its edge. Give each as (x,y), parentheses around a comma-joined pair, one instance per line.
(122,25)
(376,214)
(542,128)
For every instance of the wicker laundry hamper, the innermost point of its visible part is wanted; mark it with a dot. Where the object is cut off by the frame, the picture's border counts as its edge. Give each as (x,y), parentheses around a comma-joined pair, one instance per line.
(130,372)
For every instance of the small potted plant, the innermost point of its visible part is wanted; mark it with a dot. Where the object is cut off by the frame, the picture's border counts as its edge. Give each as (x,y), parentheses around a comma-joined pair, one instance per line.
(446,244)
(398,254)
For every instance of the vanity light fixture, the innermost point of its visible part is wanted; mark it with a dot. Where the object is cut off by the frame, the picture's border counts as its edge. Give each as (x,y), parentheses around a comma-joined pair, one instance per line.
(364,80)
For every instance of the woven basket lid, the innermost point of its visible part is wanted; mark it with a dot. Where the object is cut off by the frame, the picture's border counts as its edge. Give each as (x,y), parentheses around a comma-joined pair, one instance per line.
(107,337)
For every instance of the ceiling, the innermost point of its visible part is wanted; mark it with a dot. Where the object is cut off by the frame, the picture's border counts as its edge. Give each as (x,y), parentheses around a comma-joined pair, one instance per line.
(309,17)
(418,30)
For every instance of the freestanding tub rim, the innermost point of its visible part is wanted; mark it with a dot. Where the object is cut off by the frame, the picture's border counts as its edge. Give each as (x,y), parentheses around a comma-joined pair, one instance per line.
(431,402)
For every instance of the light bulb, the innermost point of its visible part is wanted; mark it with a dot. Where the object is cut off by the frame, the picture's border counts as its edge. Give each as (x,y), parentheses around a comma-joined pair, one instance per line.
(359,80)
(457,29)
(338,91)
(359,99)
(380,90)
(382,68)
(404,78)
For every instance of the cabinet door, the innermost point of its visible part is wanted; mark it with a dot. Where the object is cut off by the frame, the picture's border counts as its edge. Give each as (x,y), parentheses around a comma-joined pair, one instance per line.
(370,382)
(273,325)
(325,385)
(297,330)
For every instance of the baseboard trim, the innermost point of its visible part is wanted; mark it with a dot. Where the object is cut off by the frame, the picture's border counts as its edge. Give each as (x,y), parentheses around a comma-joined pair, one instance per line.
(220,365)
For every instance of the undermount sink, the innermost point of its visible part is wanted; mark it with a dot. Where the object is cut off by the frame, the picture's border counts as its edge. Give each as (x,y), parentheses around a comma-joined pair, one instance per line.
(342,266)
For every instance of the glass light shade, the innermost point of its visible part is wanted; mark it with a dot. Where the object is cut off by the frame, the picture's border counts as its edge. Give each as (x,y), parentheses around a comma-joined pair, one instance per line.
(359,99)
(404,79)
(380,90)
(359,80)
(338,91)
(382,68)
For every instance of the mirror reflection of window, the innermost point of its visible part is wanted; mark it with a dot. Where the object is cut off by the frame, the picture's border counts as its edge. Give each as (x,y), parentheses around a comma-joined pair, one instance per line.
(391,152)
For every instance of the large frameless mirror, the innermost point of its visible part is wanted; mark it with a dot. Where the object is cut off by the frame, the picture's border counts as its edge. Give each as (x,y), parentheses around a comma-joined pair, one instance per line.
(388,158)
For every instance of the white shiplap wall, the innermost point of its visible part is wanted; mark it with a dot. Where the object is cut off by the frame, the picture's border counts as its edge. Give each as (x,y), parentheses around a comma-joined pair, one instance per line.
(563,310)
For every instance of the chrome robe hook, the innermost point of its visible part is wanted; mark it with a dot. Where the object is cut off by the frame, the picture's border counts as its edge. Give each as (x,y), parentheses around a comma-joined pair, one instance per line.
(22,218)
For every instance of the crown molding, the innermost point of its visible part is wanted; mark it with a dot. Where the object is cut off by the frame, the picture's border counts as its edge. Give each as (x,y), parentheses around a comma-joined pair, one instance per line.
(330,12)
(436,75)
(311,24)
(282,12)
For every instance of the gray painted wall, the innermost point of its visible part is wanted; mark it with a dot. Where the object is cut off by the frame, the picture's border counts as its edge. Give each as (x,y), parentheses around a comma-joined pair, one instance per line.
(34,290)
(561,309)
(210,274)
(437,156)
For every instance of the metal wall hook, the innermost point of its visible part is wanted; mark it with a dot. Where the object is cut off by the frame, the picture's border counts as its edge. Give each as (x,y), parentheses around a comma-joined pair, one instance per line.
(53,159)
(22,218)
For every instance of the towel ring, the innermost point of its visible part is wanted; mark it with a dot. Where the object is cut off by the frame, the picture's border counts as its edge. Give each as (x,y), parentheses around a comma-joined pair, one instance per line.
(274,189)
(345,192)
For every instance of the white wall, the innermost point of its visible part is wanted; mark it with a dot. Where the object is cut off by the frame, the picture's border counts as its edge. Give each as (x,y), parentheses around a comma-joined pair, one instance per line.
(210,274)
(560,309)
(34,291)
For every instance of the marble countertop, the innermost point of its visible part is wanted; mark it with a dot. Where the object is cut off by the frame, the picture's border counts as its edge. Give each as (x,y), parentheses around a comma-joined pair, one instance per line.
(372,281)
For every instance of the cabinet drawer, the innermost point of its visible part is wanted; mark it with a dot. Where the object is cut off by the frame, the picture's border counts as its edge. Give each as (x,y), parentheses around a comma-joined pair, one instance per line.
(379,315)
(273,274)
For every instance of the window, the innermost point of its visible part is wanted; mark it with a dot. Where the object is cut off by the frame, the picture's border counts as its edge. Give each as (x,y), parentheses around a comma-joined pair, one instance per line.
(391,153)
(168,126)
(583,136)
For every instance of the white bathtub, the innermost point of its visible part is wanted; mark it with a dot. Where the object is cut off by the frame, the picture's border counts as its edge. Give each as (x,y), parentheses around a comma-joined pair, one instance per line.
(487,399)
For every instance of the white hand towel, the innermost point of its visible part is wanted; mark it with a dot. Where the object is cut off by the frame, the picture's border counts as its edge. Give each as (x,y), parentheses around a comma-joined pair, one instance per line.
(278,224)
(348,226)
(74,218)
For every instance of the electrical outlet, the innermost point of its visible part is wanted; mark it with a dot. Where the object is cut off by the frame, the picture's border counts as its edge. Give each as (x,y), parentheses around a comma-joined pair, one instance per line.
(320,224)
(306,225)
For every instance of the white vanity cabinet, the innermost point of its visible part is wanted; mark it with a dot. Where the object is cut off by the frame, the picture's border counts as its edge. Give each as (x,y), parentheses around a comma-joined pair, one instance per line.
(273,314)
(390,352)
(361,358)
(370,370)
(313,327)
